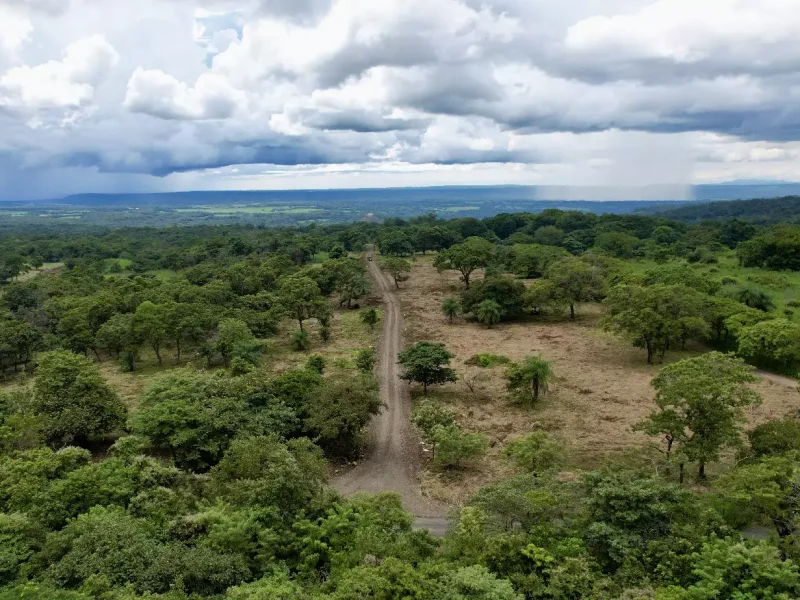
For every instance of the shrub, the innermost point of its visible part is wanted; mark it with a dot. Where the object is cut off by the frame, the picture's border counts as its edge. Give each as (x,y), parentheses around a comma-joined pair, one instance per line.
(775,437)
(455,448)
(300,341)
(316,363)
(487,360)
(365,360)
(536,453)
(430,415)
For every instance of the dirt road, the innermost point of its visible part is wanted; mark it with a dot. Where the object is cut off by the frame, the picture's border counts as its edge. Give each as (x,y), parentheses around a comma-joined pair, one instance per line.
(392,456)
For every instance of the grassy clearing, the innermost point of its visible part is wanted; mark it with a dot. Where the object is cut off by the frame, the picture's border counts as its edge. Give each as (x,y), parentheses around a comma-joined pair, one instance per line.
(601,386)
(251,210)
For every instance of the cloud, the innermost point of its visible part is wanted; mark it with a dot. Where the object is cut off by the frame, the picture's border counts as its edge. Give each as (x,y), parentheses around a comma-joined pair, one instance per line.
(157,94)
(565,90)
(68,83)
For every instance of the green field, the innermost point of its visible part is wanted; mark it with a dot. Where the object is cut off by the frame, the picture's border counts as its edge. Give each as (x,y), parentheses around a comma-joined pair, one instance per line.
(251,210)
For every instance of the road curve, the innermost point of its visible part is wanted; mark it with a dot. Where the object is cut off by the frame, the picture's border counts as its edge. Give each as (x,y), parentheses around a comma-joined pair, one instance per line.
(391,460)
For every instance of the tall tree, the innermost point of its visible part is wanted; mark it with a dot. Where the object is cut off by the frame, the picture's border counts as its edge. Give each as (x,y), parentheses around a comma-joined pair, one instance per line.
(488,313)
(700,404)
(576,281)
(155,323)
(398,268)
(299,296)
(472,254)
(451,308)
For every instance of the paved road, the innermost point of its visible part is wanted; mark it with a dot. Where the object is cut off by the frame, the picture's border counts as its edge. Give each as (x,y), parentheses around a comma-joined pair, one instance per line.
(391,461)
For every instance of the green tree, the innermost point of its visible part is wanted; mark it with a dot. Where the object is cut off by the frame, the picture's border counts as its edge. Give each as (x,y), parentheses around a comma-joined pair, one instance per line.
(398,268)
(530,379)
(700,404)
(773,343)
(233,337)
(299,297)
(396,243)
(508,293)
(657,317)
(427,363)
(316,363)
(488,313)
(451,308)
(472,254)
(73,401)
(768,488)
(119,336)
(18,341)
(193,415)
(775,437)
(537,452)
(533,260)
(340,411)
(369,316)
(155,323)
(549,235)
(350,279)
(576,281)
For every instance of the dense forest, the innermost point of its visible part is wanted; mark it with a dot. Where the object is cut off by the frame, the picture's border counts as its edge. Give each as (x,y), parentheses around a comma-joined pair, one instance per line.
(762,212)
(212,482)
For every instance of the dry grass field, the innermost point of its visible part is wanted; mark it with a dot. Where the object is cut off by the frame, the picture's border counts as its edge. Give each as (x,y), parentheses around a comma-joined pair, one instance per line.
(601,386)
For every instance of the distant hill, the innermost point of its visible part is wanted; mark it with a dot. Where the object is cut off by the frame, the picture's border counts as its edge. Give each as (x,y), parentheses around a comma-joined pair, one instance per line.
(759,211)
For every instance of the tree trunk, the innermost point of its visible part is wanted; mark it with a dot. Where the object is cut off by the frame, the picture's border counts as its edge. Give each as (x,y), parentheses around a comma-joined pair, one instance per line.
(299,320)
(466,278)
(535,389)
(572,312)
(649,352)
(178,350)
(157,350)
(680,479)
(424,388)
(701,471)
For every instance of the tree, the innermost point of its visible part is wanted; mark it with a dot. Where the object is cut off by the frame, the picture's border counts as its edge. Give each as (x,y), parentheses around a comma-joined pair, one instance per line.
(18,341)
(155,323)
(396,243)
(337,251)
(434,238)
(316,363)
(427,363)
(193,415)
(620,245)
(773,343)
(488,313)
(454,448)
(233,337)
(473,253)
(398,268)
(350,280)
(529,379)
(508,293)
(775,437)
(73,401)
(533,260)
(576,281)
(451,307)
(11,265)
(299,297)
(769,487)
(369,316)
(537,452)
(700,404)
(549,235)
(657,317)
(119,336)
(340,411)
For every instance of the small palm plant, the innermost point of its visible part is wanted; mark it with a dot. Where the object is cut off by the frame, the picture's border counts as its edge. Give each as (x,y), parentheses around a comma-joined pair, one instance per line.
(451,308)
(488,313)
(530,379)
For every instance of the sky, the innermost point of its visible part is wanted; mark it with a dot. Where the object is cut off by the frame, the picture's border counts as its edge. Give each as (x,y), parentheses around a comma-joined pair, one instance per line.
(169,95)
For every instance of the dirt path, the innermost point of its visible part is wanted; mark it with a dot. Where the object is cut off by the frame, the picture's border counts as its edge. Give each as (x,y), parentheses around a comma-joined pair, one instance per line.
(392,457)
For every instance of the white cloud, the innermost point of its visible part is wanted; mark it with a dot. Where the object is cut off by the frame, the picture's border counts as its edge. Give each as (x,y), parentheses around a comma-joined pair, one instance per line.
(65,83)
(155,93)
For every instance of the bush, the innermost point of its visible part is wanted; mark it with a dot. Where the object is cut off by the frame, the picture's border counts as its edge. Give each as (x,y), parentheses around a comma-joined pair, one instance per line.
(316,363)
(775,437)
(365,360)
(300,341)
(776,281)
(487,360)
(536,453)
(455,448)
(430,415)
(508,293)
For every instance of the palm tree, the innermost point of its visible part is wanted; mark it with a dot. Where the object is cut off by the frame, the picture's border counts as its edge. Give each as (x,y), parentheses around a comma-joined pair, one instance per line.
(451,308)
(531,378)
(488,313)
